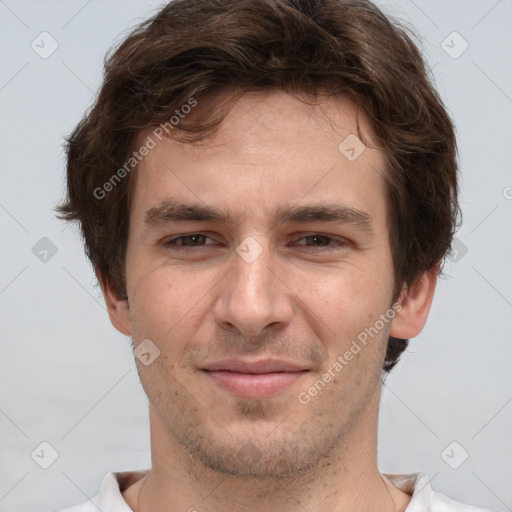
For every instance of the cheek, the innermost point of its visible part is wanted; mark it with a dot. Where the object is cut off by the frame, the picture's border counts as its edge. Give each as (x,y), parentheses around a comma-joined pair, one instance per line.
(162,303)
(346,299)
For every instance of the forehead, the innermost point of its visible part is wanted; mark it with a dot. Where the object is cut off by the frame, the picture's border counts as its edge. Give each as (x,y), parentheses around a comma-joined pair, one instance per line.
(271,148)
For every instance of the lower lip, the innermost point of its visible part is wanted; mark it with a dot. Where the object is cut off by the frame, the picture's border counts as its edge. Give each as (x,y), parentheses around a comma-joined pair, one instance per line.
(254,385)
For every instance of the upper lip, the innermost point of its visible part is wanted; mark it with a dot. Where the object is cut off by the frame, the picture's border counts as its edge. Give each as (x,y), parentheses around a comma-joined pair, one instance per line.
(263,366)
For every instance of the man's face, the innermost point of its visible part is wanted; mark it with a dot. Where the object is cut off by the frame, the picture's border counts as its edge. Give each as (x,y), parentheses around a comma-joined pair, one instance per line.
(293,289)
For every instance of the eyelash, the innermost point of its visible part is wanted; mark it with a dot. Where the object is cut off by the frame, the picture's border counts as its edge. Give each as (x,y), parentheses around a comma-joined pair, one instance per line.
(338,243)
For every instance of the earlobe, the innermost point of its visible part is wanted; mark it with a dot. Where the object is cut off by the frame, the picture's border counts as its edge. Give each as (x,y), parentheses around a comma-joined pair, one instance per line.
(415,302)
(117,308)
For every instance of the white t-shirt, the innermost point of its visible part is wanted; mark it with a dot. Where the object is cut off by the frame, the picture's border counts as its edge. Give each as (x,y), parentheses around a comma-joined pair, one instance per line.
(424,499)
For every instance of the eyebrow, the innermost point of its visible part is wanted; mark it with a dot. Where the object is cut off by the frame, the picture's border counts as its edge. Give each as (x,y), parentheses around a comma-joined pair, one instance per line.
(176,211)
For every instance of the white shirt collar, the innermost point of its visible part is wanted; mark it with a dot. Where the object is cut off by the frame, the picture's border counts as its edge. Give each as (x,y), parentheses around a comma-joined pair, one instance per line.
(423,498)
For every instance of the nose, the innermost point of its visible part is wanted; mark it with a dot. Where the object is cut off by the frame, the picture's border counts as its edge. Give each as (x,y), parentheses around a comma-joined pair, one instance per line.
(254,298)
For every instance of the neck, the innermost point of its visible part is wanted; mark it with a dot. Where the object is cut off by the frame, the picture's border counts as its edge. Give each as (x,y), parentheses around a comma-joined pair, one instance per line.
(347,480)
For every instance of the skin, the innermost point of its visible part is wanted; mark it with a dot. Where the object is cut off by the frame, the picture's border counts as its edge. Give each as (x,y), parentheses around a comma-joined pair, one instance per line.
(304,300)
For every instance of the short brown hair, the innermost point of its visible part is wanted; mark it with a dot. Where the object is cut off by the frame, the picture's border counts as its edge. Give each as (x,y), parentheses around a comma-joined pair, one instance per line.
(191,48)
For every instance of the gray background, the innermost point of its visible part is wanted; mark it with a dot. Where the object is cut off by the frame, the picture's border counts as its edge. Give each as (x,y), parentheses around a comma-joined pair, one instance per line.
(68,377)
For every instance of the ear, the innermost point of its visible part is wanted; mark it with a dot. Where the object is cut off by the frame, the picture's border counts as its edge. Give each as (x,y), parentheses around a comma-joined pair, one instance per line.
(118,309)
(415,302)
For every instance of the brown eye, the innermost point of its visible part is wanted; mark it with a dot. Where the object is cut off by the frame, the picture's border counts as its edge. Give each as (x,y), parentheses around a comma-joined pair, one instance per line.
(192,240)
(321,241)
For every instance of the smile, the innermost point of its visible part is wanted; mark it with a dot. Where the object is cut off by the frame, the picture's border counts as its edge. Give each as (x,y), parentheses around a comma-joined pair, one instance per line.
(253,385)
